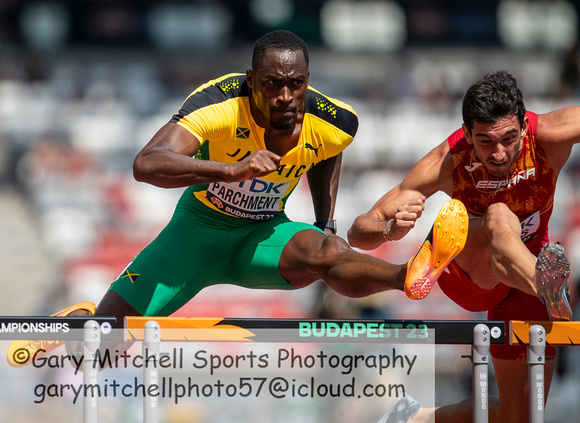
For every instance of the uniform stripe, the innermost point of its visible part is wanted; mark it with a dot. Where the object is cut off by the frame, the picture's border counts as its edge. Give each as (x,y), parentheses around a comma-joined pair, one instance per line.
(213,93)
(328,110)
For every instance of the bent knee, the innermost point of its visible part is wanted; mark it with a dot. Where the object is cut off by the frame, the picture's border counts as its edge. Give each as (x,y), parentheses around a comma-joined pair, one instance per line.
(499,217)
(311,252)
(332,248)
(326,253)
(499,210)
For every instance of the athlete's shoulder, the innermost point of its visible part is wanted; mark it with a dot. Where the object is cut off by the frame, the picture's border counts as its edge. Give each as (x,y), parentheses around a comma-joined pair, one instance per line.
(457,141)
(332,111)
(532,123)
(216,91)
(231,85)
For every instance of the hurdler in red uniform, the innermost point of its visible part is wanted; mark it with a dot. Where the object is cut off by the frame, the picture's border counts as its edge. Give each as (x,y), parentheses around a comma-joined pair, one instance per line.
(500,169)
(528,191)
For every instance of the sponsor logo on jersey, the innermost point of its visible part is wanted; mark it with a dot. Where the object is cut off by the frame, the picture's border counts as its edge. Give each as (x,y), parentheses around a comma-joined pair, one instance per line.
(311,147)
(473,167)
(216,202)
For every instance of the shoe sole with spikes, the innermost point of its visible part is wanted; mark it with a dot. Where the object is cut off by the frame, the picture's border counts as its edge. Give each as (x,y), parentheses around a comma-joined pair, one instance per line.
(552,273)
(444,242)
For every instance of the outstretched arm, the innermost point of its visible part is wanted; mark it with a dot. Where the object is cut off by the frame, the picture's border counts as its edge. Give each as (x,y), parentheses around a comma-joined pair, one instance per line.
(167,162)
(557,133)
(323,182)
(371,229)
(404,203)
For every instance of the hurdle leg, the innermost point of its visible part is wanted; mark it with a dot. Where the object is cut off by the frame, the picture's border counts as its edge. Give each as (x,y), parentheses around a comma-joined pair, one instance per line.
(91,343)
(536,362)
(151,344)
(480,360)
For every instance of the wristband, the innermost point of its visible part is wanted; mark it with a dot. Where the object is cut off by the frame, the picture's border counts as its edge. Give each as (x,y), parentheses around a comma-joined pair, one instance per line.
(326,224)
(387,229)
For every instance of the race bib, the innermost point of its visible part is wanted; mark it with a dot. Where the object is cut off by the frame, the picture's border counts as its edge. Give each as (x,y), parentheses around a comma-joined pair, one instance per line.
(530,226)
(256,199)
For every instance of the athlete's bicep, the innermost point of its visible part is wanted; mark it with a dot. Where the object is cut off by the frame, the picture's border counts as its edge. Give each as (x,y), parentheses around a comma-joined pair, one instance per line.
(434,172)
(173,137)
(557,132)
(169,153)
(559,126)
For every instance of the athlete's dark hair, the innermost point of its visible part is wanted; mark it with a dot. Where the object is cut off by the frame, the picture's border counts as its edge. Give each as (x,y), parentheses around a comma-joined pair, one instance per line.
(278,40)
(493,97)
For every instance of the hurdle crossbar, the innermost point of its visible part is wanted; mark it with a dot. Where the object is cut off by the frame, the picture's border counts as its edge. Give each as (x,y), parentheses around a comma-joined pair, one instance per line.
(154,330)
(312,330)
(52,328)
(557,333)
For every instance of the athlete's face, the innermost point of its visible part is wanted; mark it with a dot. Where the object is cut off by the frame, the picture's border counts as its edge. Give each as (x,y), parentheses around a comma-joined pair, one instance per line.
(497,145)
(278,88)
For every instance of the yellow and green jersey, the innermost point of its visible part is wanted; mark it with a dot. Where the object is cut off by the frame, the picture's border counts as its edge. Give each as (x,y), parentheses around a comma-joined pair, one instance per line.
(218,114)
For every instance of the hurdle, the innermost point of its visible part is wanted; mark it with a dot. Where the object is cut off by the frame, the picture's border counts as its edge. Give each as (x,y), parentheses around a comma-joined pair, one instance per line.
(93,331)
(537,335)
(154,330)
(89,331)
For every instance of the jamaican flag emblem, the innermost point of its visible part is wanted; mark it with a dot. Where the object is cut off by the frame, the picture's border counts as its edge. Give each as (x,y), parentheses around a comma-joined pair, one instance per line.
(243,133)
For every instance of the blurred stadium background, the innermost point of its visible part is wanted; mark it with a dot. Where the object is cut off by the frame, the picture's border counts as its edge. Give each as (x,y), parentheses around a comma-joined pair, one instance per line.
(84,85)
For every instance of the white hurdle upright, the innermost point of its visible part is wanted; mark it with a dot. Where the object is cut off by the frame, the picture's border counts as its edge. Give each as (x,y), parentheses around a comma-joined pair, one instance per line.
(536,362)
(86,332)
(91,344)
(480,379)
(537,335)
(151,346)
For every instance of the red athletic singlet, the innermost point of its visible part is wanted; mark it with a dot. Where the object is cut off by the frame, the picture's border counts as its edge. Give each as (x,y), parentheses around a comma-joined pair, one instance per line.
(528,190)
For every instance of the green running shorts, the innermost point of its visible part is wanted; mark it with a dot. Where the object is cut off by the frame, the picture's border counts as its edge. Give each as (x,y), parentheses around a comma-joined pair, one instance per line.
(201,247)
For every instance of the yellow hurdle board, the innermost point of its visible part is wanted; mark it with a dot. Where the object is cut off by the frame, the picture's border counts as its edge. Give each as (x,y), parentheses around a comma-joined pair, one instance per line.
(187,329)
(557,333)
